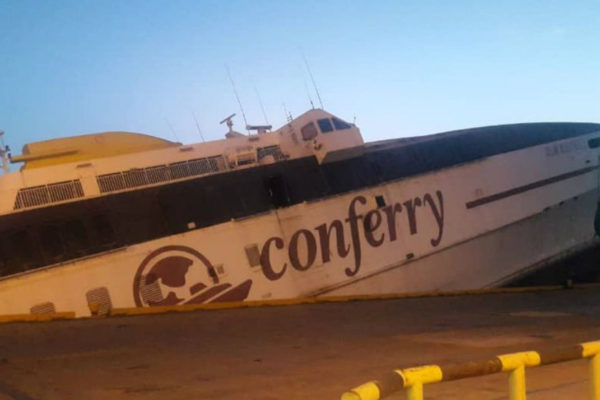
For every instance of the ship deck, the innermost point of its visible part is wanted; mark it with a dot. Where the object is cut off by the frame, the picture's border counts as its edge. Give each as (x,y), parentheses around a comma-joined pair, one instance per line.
(314,351)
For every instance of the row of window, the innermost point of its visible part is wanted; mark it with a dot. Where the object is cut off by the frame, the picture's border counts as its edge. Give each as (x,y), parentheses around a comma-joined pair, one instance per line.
(49,235)
(67,231)
(51,243)
(68,190)
(46,194)
(159,173)
(326,125)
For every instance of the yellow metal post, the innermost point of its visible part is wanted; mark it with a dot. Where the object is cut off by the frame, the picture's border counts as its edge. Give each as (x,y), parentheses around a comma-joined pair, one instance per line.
(595,377)
(516,383)
(415,378)
(415,392)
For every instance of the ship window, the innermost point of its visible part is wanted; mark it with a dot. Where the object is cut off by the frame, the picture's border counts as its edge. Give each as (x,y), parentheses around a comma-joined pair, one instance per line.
(103,229)
(594,143)
(309,131)
(20,252)
(2,263)
(325,125)
(51,242)
(278,191)
(75,237)
(339,124)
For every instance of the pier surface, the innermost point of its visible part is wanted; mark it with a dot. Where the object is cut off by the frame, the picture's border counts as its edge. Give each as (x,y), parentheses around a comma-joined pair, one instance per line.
(314,351)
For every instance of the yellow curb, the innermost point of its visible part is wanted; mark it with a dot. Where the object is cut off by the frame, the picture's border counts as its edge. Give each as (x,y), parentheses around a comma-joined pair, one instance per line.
(36,317)
(124,311)
(328,299)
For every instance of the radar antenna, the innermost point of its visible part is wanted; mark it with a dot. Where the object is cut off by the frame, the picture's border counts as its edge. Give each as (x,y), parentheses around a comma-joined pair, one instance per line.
(229,122)
(4,154)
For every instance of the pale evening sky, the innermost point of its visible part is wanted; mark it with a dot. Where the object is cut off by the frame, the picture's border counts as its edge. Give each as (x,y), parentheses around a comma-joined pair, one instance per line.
(402,67)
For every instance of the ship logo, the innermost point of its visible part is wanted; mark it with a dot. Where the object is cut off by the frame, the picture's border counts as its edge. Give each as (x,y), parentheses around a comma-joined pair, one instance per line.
(176,275)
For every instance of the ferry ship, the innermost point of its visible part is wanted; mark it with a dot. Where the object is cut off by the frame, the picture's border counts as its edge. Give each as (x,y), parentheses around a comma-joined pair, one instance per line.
(119,219)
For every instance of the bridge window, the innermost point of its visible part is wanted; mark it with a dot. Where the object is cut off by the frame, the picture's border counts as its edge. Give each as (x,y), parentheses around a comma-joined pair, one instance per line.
(325,125)
(309,131)
(339,124)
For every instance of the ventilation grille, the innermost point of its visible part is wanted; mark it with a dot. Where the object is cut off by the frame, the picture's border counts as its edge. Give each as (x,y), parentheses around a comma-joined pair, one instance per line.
(100,299)
(47,194)
(274,151)
(150,292)
(160,173)
(43,308)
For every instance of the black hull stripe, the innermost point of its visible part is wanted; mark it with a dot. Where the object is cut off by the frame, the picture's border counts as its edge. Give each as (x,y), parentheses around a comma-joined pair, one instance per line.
(530,186)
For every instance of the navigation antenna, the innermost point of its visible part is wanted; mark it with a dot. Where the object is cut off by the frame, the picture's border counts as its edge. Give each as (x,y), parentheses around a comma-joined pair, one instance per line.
(288,115)
(312,78)
(171,129)
(198,126)
(262,107)
(312,105)
(4,154)
(235,92)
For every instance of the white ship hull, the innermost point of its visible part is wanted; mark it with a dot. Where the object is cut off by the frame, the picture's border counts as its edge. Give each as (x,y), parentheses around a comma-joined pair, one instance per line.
(470,226)
(494,258)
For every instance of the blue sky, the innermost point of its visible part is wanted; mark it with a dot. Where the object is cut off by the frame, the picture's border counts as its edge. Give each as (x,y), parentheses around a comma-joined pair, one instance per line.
(401,68)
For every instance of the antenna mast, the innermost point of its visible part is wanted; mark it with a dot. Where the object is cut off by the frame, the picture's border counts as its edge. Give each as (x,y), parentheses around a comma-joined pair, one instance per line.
(312,78)
(288,115)
(198,126)
(236,94)
(262,107)
(312,105)
(171,129)
(4,154)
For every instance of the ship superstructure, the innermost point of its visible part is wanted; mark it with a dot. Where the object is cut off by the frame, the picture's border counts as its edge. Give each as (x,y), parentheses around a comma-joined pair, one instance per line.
(123,219)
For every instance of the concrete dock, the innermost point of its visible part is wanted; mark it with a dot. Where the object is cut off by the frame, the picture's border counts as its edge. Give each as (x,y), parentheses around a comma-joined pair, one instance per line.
(314,351)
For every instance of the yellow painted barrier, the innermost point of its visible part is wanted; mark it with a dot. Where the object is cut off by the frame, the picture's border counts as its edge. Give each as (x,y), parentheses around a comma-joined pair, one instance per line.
(412,380)
(36,317)
(121,311)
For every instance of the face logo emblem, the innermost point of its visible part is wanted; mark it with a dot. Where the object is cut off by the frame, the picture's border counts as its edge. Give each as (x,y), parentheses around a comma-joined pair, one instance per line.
(174,275)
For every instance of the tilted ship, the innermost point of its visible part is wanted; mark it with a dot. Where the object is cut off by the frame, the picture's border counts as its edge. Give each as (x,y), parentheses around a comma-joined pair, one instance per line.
(119,219)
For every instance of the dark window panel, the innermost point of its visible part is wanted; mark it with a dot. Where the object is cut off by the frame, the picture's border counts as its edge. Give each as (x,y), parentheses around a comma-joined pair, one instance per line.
(325,125)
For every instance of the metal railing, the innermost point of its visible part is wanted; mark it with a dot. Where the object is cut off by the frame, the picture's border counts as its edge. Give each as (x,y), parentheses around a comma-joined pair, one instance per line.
(413,379)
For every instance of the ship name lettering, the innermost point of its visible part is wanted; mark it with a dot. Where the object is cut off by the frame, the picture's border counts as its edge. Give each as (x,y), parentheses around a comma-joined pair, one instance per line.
(370,226)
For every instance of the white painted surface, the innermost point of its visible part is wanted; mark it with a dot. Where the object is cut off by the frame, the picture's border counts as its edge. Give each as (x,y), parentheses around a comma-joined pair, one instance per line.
(479,247)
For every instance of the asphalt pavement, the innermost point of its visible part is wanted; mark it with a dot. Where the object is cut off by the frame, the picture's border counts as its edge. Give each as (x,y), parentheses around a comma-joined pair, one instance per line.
(311,351)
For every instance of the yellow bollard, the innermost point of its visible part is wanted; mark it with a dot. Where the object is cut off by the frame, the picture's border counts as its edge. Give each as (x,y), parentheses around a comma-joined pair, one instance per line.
(516,383)
(415,378)
(515,364)
(591,350)
(595,377)
(368,391)
(415,392)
